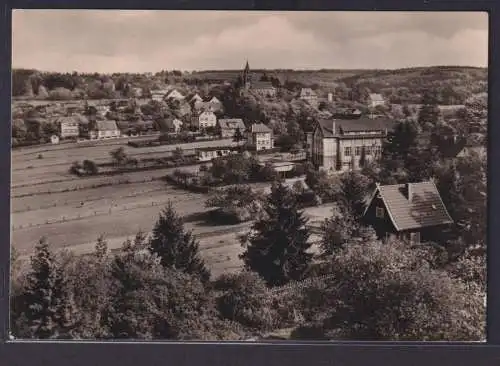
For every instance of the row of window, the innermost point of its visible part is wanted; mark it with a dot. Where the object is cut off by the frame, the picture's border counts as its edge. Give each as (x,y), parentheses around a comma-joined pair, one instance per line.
(369,150)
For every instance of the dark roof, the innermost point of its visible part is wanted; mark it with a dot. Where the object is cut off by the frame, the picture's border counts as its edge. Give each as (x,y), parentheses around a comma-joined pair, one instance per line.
(354,125)
(260,128)
(106,125)
(425,209)
(450,148)
(232,124)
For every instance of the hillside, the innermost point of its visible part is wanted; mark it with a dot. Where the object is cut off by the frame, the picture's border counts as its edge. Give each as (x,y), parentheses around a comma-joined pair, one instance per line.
(453,84)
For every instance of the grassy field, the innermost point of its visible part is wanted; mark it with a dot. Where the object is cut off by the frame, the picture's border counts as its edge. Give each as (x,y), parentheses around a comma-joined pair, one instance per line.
(45,202)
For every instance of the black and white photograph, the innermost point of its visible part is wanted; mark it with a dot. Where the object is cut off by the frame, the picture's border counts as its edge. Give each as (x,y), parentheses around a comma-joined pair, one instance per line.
(248,175)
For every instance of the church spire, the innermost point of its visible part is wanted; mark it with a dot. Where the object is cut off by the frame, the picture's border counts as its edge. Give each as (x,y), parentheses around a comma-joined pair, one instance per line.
(246,76)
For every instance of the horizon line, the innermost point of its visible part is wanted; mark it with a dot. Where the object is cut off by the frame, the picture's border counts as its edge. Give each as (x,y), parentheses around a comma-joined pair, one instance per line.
(255,69)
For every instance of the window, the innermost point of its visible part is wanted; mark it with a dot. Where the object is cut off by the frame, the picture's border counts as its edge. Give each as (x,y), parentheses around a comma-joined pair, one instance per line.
(348,151)
(415,238)
(379,212)
(357,150)
(368,150)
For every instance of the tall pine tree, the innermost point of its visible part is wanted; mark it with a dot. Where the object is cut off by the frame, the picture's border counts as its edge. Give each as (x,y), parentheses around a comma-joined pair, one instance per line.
(176,247)
(429,113)
(40,293)
(277,245)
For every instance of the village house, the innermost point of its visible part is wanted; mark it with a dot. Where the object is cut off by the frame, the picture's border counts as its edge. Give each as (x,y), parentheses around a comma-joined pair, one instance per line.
(308,95)
(159,95)
(229,126)
(68,127)
(213,104)
(195,98)
(343,144)
(209,153)
(204,119)
(412,212)
(175,95)
(375,100)
(260,137)
(137,92)
(104,130)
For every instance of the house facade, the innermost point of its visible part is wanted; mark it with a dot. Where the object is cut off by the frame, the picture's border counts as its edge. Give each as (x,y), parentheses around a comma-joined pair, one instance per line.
(105,130)
(260,137)
(229,126)
(159,95)
(375,100)
(68,127)
(308,95)
(207,154)
(411,212)
(343,144)
(205,119)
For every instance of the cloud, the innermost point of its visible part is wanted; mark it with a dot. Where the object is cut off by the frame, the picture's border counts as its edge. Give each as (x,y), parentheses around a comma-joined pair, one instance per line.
(109,40)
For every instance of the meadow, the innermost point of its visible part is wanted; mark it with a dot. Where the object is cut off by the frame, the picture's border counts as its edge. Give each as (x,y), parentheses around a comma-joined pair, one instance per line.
(73,212)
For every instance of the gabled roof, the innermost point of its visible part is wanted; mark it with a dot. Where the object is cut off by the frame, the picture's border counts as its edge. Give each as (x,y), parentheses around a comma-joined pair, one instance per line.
(196,97)
(106,125)
(354,125)
(231,124)
(307,92)
(260,128)
(375,97)
(425,209)
(174,93)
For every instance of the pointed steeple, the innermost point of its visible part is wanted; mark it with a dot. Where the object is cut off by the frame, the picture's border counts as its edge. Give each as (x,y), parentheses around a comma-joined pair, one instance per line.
(245,77)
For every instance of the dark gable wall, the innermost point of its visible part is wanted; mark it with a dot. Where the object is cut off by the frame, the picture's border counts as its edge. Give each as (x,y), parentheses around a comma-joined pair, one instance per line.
(381,226)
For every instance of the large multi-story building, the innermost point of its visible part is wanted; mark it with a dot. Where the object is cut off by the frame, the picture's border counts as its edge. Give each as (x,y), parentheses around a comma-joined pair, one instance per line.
(343,144)
(260,137)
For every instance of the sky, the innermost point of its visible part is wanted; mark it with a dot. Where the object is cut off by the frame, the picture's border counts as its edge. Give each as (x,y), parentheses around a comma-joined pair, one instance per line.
(107,41)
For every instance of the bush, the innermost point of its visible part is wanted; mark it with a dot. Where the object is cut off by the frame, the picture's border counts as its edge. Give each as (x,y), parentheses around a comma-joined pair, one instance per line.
(247,301)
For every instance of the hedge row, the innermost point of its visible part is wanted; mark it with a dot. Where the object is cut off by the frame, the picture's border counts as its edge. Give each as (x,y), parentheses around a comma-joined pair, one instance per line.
(172,141)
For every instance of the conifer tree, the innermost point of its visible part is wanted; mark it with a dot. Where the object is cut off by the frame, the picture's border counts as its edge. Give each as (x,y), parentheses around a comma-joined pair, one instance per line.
(429,113)
(176,247)
(40,292)
(277,245)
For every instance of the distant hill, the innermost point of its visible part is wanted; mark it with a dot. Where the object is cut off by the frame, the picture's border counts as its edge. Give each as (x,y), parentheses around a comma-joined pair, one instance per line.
(453,84)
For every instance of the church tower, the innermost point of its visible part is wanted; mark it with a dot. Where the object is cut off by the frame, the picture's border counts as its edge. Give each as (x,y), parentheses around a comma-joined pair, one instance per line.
(245,77)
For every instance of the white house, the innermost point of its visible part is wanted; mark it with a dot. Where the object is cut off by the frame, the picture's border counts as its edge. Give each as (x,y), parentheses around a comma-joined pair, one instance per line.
(68,127)
(176,95)
(260,136)
(308,95)
(105,130)
(205,119)
(158,95)
(375,100)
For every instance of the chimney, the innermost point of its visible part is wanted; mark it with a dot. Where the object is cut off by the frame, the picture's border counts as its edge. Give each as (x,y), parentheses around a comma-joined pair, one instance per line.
(330,97)
(333,128)
(409,188)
